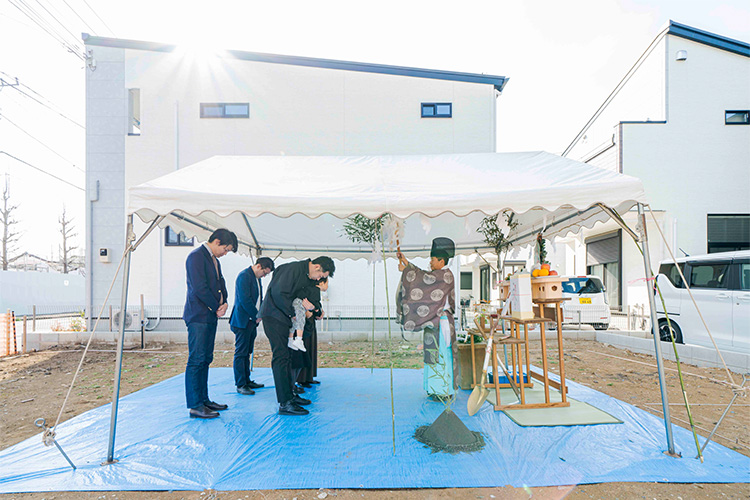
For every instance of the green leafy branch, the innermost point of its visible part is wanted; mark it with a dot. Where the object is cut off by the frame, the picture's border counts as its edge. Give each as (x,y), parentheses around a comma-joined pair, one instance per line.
(361,229)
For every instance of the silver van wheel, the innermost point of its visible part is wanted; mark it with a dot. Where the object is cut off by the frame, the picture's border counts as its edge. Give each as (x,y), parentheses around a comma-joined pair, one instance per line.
(664,331)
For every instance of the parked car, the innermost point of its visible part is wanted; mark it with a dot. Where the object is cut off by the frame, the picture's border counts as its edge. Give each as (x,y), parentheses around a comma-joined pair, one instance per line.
(588,302)
(720,284)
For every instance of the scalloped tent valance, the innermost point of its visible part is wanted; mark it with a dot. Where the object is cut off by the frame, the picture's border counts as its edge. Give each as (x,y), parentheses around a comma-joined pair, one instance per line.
(297,205)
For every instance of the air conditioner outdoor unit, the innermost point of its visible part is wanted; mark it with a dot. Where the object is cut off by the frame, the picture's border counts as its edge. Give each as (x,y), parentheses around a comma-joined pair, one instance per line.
(132,321)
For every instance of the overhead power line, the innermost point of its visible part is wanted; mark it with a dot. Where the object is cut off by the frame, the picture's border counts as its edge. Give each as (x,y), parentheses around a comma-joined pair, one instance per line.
(71,44)
(40,142)
(79,17)
(40,102)
(99,18)
(42,171)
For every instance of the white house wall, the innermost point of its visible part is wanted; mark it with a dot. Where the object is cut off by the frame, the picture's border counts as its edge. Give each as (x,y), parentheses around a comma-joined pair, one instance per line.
(694,164)
(691,165)
(641,98)
(294,110)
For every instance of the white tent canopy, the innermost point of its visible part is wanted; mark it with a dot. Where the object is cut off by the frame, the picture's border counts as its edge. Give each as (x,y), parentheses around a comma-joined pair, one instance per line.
(297,205)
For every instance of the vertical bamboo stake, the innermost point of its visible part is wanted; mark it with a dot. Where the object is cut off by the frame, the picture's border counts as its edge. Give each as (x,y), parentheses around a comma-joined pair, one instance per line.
(390,350)
(24,333)
(372,362)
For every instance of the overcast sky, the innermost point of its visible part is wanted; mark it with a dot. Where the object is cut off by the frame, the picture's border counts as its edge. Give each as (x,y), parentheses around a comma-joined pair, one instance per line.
(562,57)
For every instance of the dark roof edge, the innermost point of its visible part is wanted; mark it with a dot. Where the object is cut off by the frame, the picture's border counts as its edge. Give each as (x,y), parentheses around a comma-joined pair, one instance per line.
(707,38)
(497,81)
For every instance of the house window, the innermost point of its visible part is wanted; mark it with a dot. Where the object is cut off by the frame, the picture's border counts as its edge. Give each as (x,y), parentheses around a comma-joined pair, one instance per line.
(437,110)
(735,117)
(225,110)
(466,281)
(173,239)
(134,111)
(728,232)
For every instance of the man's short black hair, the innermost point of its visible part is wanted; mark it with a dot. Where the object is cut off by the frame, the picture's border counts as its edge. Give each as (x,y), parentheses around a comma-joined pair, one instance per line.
(225,237)
(266,263)
(326,264)
(440,255)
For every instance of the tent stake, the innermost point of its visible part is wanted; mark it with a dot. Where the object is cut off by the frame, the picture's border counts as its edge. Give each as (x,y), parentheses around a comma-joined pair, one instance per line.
(655,331)
(129,239)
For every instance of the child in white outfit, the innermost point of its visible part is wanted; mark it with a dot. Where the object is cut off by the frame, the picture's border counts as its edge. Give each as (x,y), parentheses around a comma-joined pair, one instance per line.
(298,326)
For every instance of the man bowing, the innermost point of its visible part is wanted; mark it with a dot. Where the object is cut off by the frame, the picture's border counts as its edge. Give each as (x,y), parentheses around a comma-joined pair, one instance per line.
(206,302)
(248,294)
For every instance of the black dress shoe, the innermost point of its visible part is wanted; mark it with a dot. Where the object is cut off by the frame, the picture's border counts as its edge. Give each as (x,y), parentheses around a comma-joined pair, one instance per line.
(203,412)
(254,385)
(315,381)
(298,389)
(215,406)
(300,401)
(246,390)
(289,408)
(306,385)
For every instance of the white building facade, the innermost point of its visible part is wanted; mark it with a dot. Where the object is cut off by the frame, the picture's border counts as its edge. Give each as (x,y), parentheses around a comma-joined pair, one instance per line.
(679,121)
(153,108)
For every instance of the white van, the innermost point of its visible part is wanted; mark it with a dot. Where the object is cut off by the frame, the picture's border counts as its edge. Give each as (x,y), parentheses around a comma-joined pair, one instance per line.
(720,283)
(588,302)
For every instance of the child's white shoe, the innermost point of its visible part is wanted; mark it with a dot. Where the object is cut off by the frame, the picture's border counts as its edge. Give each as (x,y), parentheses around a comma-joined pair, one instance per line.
(298,345)
(291,344)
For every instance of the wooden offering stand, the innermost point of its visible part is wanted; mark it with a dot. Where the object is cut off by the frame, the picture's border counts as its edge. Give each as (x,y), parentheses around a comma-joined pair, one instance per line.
(514,374)
(515,326)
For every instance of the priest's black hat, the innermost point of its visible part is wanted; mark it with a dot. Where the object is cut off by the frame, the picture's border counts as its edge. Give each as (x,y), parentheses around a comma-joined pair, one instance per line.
(443,248)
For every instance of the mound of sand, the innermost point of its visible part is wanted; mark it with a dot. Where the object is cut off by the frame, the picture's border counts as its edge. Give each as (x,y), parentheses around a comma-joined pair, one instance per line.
(447,433)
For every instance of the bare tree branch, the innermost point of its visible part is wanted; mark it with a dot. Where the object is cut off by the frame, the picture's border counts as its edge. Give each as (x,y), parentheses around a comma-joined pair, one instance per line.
(8,220)
(66,249)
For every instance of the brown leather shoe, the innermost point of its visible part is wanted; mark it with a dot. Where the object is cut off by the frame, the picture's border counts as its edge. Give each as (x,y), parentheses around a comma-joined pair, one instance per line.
(246,390)
(203,412)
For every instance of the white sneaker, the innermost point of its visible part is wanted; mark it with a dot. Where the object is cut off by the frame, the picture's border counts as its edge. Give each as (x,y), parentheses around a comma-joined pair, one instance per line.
(298,345)
(291,345)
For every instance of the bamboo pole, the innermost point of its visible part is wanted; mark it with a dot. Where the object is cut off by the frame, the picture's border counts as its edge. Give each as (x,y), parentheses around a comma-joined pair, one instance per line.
(390,350)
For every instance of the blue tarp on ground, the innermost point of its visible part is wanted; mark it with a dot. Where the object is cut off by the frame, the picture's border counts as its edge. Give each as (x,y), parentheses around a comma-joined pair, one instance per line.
(346,442)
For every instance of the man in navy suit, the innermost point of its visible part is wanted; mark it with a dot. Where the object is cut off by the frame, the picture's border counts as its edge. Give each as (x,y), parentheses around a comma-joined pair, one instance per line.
(206,302)
(248,294)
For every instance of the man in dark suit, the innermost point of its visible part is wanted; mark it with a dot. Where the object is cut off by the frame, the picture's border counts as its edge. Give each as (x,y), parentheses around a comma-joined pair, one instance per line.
(277,310)
(206,302)
(248,294)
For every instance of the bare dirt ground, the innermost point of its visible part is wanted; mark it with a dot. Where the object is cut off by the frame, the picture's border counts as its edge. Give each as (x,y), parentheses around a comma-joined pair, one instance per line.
(34,385)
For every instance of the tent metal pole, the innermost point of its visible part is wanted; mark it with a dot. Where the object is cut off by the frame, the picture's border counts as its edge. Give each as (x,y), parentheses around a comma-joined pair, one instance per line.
(655,330)
(129,239)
